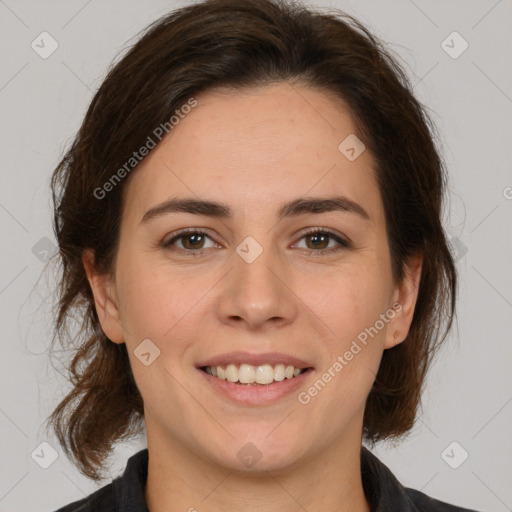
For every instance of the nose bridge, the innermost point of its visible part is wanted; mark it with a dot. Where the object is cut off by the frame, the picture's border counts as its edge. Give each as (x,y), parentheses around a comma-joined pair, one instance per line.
(256,291)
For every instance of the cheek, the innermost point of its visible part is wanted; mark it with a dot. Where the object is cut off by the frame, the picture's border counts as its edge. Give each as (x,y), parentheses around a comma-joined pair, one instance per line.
(156,303)
(347,301)
(351,353)
(350,304)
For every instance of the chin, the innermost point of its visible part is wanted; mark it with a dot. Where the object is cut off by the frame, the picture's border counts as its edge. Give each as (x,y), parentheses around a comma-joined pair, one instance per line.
(245,454)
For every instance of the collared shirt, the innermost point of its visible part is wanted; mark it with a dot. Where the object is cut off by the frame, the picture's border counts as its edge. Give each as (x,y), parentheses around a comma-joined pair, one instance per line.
(383,491)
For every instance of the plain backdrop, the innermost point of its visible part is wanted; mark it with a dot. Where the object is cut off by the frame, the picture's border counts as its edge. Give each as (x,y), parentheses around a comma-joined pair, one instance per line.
(467,405)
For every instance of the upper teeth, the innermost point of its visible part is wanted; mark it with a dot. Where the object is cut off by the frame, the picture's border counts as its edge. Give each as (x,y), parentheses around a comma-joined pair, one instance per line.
(248,374)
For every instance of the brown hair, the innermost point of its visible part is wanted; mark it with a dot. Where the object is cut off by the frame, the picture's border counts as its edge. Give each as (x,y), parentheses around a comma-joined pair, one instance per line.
(240,44)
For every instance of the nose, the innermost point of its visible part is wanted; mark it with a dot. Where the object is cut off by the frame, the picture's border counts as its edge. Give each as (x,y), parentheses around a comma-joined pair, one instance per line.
(257,293)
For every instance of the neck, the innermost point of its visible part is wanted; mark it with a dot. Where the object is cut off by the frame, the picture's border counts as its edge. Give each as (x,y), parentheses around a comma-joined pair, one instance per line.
(181,480)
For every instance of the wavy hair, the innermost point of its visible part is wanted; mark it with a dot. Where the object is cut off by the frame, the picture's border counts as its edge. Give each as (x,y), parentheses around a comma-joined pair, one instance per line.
(237,45)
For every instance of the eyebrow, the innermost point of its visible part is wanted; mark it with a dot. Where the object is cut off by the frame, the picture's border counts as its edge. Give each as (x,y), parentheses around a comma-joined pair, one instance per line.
(299,206)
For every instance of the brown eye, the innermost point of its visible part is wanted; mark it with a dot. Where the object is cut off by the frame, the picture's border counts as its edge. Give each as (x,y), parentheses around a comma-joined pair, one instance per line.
(189,240)
(317,241)
(193,241)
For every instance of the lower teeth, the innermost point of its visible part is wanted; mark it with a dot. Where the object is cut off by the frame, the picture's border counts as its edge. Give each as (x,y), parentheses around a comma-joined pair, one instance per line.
(257,383)
(254,383)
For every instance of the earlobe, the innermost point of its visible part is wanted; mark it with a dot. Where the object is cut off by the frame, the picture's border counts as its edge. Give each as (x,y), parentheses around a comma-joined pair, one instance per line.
(405,296)
(105,301)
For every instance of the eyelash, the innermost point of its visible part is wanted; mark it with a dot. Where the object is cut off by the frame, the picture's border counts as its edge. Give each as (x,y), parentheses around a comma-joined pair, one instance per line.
(344,244)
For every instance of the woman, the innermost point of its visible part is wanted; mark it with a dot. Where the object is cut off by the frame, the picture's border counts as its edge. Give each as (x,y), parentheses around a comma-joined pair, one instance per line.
(249,226)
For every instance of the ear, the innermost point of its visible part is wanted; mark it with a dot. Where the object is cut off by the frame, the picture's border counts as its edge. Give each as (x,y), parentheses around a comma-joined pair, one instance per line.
(404,296)
(105,301)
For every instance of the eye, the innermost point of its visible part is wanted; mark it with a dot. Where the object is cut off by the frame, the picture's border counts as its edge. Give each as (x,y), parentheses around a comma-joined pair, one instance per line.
(191,240)
(320,239)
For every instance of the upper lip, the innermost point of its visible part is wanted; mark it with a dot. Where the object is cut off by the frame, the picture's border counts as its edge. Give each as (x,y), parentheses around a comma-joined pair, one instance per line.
(239,357)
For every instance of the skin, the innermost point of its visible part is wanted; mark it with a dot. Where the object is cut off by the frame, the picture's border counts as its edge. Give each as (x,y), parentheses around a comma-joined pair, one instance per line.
(254,151)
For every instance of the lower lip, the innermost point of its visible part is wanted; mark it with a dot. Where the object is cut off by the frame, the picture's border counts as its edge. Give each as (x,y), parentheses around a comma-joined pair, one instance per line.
(257,394)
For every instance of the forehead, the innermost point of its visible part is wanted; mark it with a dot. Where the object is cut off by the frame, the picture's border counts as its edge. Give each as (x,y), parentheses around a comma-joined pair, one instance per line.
(255,150)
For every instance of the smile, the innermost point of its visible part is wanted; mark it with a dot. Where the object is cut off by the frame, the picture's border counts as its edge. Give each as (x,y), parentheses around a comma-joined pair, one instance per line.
(256,375)
(253,393)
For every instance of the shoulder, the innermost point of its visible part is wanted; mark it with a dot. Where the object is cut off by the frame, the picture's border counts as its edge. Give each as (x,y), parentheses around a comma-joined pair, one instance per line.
(101,500)
(125,492)
(424,503)
(385,492)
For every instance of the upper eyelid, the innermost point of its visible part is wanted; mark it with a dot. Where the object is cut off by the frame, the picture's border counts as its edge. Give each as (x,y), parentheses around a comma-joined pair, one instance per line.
(344,240)
(188,231)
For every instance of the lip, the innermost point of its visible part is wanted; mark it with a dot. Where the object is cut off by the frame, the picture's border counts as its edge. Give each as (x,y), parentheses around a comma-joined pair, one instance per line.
(240,357)
(246,394)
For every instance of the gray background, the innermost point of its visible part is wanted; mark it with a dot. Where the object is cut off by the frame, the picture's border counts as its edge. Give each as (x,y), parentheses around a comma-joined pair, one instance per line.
(468,398)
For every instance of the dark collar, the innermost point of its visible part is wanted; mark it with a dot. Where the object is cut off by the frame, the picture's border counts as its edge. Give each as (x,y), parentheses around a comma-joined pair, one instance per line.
(382,489)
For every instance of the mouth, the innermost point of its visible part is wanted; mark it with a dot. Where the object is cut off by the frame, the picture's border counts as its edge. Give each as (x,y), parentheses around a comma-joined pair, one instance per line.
(252,375)
(253,393)
(250,379)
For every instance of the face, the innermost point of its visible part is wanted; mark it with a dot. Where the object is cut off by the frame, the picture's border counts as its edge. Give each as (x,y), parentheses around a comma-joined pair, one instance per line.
(306,284)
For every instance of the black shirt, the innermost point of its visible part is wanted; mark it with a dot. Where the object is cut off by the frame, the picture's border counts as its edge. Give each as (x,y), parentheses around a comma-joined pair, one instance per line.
(383,491)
